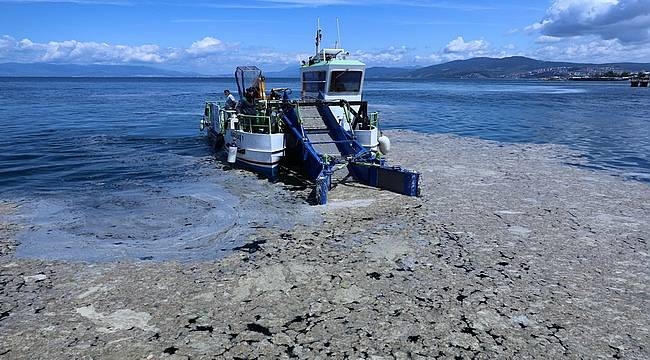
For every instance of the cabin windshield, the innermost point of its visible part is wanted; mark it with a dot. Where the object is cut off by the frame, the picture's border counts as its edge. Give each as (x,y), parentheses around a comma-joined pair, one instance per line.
(313,81)
(345,82)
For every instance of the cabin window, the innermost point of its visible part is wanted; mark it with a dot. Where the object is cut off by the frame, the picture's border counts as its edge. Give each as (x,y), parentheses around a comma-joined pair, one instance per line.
(313,81)
(345,81)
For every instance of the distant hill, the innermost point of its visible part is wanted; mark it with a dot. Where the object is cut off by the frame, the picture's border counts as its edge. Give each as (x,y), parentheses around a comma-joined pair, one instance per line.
(66,70)
(515,67)
(509,67)
(483,67)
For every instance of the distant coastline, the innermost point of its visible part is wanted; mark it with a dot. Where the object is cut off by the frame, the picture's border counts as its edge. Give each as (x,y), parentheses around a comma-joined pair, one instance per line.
(513,68)
(95,71)
(516,67)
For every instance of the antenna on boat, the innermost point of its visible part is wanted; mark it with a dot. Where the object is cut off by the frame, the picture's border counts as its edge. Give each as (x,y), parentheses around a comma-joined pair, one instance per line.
(318,35)
(338,35)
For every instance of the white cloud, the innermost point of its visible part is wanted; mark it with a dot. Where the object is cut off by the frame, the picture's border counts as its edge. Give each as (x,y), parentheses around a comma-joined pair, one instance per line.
(428,59)
(73,51)
(545,39)
(538,25)
(78,52)
(459,49)
(459,45)
(25,44)
(6,42)
(389,56)
(92,52)
(592,7)
(592,50)
(594,31)
(207,55)
(627,21)
(207,45)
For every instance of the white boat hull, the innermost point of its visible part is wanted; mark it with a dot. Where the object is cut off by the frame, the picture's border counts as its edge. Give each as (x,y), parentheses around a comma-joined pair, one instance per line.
(259,152)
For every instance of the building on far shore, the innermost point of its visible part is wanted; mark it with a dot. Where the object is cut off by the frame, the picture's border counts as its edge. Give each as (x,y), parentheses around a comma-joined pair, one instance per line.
(640,80)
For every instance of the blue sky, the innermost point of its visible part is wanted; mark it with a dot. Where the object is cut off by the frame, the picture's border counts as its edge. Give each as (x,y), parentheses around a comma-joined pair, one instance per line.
(212,37)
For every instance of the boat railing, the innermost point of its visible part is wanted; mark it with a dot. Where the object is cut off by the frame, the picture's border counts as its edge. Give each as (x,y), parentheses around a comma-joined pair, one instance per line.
(268,121)
(257,124)
(374,119)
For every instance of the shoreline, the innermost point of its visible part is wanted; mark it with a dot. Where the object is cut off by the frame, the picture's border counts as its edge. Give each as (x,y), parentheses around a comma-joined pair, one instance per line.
(508,253)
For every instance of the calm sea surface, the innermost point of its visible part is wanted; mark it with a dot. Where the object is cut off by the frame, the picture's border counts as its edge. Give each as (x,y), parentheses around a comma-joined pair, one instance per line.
(608,121)
(99,150)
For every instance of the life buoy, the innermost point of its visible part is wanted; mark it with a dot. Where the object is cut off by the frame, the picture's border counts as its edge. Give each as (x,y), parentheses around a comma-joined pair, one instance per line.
(384,144)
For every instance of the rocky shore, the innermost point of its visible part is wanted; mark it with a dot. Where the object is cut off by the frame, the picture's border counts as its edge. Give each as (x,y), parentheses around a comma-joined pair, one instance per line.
(508,253)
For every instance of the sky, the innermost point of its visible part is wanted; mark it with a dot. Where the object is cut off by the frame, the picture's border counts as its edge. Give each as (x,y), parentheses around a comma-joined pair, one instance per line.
(213,37)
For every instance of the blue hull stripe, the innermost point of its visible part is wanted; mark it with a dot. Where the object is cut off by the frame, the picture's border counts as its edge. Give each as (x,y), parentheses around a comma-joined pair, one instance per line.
(268,170)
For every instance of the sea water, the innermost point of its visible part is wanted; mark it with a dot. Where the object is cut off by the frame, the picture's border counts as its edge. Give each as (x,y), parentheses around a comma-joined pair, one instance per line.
(107,169)
(607,121)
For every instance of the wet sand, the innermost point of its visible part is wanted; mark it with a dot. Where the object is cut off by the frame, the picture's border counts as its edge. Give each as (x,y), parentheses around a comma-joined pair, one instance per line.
(509,253)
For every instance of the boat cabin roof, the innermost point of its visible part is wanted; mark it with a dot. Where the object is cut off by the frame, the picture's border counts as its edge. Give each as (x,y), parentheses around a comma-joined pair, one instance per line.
(331,57)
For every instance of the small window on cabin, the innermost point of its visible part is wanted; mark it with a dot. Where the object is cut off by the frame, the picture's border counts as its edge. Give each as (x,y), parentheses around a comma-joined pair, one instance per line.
(313,81)
(345,82)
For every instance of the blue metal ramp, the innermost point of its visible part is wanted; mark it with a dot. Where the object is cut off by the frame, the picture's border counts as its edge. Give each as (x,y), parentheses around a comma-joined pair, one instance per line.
(363,165)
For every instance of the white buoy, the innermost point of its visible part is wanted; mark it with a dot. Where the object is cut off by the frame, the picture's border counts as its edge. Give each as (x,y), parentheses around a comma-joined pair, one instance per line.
(232,154)
(384,144)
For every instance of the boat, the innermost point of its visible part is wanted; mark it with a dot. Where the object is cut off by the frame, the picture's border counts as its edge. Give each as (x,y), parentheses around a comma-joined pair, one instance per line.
(640,80)
(251,132)
(327,129)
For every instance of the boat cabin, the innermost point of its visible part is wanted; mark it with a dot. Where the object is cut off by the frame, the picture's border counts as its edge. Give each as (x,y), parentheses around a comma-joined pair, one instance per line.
(331,76)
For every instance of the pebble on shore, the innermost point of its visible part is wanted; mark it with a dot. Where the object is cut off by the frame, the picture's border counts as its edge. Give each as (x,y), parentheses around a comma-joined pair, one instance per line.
(508,253)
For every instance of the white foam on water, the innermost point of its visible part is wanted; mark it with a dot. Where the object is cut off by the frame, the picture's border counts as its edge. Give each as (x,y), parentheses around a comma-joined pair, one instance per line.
(175,221)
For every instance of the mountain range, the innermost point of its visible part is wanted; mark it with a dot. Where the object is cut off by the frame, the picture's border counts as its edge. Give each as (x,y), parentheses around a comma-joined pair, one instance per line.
(509,67)
(515,67)
(73,70)
(476,68)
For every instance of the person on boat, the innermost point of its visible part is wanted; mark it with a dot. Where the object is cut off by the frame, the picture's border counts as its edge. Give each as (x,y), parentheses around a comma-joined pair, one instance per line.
(231,103)
(246,105)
